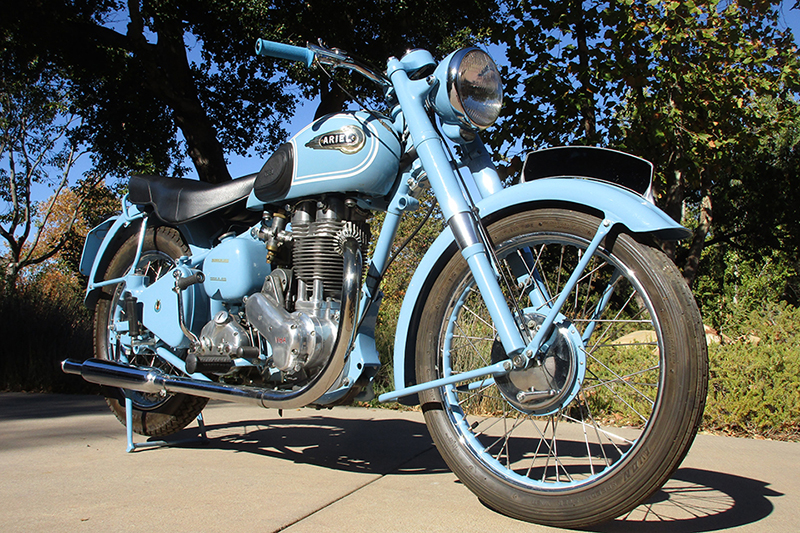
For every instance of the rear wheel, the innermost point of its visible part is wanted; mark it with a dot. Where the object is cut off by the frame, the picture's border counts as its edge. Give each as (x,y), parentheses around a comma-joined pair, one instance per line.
(154,415)
(609,409)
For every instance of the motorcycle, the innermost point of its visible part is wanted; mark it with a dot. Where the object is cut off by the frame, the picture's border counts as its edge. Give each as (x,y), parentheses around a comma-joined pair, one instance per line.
(555,351)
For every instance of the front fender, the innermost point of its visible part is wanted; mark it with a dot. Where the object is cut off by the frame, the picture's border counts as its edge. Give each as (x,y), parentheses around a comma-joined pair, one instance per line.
(618,205)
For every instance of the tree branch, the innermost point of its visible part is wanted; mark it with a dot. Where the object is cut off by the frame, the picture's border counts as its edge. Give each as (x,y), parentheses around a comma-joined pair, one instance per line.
(49,211)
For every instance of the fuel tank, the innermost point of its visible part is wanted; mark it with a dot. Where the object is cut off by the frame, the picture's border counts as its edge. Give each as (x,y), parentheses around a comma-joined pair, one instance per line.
(346,152)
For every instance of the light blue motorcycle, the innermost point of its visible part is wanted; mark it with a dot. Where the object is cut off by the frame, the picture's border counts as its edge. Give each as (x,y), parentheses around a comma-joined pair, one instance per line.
(556,353)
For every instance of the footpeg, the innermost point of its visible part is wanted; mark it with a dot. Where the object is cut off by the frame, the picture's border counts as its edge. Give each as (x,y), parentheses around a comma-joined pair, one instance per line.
(208,363)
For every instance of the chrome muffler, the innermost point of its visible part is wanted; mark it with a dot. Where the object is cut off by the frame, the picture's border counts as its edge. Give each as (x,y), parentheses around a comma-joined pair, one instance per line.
(152,381)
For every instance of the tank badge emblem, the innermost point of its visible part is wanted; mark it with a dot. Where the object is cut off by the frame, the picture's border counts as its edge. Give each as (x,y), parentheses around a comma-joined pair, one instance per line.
(348,140)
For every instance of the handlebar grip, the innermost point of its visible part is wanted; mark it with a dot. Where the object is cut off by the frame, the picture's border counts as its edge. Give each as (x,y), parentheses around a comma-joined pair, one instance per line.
(284,51)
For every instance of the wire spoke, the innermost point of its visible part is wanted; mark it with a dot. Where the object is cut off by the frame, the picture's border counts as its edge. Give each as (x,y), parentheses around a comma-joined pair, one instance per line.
(595,412)
(620,379)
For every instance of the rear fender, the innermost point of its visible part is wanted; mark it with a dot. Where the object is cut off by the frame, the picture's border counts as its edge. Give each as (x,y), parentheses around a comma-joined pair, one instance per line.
(100,246)
(617,204)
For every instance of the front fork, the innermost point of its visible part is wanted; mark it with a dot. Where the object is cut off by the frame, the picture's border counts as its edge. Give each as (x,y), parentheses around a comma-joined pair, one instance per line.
(520,353)
(474,245)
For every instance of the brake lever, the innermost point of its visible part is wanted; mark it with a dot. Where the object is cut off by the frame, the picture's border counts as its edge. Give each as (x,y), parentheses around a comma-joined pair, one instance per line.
(338,58)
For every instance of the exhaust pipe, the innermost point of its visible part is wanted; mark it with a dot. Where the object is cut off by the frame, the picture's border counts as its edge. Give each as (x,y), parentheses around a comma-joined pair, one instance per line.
(150,380)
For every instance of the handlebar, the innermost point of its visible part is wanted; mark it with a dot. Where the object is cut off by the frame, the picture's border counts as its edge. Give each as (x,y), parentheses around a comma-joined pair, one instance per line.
(284,51)
(330,57)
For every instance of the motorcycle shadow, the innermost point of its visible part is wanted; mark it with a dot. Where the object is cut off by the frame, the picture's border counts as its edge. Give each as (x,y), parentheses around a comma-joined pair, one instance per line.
(374,446)
(695,501)
(692,501)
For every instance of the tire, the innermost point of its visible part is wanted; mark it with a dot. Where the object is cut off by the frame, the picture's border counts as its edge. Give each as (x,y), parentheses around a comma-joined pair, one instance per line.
(153,415)
(603,422)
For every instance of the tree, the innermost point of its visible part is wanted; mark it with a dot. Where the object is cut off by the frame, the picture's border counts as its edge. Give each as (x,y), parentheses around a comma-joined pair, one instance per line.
(564,72)
(678,83)
(756,229)
(713,64)
(36,145)
(139,90)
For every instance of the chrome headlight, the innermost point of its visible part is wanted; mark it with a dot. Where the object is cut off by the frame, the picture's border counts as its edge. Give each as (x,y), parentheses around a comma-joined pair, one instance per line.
(470,91)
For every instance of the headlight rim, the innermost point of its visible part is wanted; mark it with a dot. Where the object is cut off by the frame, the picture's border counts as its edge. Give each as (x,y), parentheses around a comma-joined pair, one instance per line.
(452,88)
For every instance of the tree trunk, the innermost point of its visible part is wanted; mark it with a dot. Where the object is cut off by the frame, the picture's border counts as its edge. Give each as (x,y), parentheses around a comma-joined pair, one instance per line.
(169,77)
(673,205)
(699,239)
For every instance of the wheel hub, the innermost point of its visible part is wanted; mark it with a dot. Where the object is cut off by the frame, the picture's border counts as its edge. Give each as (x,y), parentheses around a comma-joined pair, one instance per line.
(550,381)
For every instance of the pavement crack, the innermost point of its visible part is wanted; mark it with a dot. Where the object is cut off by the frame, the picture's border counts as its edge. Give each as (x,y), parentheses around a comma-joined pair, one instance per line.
(378,477)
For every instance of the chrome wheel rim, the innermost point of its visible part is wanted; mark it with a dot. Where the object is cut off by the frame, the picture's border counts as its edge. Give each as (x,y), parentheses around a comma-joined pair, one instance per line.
(589,432)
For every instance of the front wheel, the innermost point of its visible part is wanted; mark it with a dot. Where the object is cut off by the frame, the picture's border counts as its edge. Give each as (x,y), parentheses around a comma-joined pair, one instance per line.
(606,413)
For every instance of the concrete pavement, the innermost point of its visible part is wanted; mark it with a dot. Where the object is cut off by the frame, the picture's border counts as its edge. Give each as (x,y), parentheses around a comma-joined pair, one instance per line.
(63,467)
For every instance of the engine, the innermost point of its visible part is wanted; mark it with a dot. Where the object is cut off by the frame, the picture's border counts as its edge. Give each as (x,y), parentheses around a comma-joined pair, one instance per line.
(297,310)
(319,230)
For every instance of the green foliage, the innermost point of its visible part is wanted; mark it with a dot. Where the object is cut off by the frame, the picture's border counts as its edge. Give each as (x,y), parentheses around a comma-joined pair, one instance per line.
(569,66)
(756,200)
(398,277)
(699,116)
(137,85)
(754,385)
(731,286)
(695,87)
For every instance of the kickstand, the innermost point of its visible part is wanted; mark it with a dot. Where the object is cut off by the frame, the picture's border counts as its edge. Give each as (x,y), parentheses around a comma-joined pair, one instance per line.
(133,446)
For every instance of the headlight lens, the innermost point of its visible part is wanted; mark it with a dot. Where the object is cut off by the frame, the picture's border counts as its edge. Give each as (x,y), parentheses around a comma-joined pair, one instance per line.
(474,88)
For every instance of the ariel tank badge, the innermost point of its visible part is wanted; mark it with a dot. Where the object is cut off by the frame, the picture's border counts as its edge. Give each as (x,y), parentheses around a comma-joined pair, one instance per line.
(348,140)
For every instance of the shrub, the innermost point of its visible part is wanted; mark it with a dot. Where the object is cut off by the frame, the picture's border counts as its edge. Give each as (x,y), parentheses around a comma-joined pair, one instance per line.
(41,324)
(754,385)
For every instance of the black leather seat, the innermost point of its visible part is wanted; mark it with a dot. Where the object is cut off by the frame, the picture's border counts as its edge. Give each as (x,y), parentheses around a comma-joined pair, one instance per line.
(176,200)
